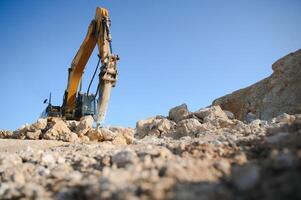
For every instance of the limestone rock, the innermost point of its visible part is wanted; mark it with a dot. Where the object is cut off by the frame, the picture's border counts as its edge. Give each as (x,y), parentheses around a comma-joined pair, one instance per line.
(95,135)
(69,137)
(214,115)
(40,124)
(189,127)
(154,126)
(127,133)
(86,122)
(107,134)
(72,125)
(33,135)
(6,134)
(178,113)
(57,129)
(119,140)
(211,113)
(277,94)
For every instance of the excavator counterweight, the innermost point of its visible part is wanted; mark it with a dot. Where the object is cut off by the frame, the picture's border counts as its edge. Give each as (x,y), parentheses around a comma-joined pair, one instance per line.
(75,103)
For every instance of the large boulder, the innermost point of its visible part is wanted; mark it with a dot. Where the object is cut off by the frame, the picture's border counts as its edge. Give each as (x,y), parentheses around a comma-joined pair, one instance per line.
(277,94)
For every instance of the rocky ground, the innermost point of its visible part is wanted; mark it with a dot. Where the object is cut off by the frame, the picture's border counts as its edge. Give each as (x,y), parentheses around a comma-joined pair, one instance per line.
(207,154)
(221,152)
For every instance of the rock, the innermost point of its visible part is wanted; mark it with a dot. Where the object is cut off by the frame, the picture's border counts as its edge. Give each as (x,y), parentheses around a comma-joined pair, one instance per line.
(154,126)
(123,158)
(33,135)
(40,124)
(69,137)
(178,113)
(285,118)
(119,140)
(84,138)
(272,96)
(223,165)
(95,135)
(6,134)
(127,133)
(72,125)
(209,114)
(250,117)
(229,114)
(20,133)
(86,122)
(189,127)
(57,129)
(107,134)
(245,177)
(214,115)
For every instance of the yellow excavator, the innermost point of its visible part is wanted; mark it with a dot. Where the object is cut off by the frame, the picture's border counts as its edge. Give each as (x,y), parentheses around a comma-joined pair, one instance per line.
(75,103)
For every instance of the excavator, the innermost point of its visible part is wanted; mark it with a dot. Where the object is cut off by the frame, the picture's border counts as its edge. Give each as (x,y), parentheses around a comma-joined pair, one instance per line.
(77,104)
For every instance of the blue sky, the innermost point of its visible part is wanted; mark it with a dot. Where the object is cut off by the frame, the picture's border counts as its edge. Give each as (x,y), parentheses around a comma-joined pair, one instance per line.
(171,51)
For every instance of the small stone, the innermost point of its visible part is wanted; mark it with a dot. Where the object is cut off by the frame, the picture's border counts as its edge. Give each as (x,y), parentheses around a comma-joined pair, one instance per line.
(208,114)
(95,135)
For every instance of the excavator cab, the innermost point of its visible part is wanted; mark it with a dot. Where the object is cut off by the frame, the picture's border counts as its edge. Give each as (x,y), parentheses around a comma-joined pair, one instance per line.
(85,105)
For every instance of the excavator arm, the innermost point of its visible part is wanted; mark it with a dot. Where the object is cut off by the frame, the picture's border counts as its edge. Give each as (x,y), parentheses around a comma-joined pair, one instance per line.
(98,33)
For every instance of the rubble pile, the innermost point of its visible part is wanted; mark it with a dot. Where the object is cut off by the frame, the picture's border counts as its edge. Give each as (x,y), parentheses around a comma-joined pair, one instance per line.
(206,154)
(54,128)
